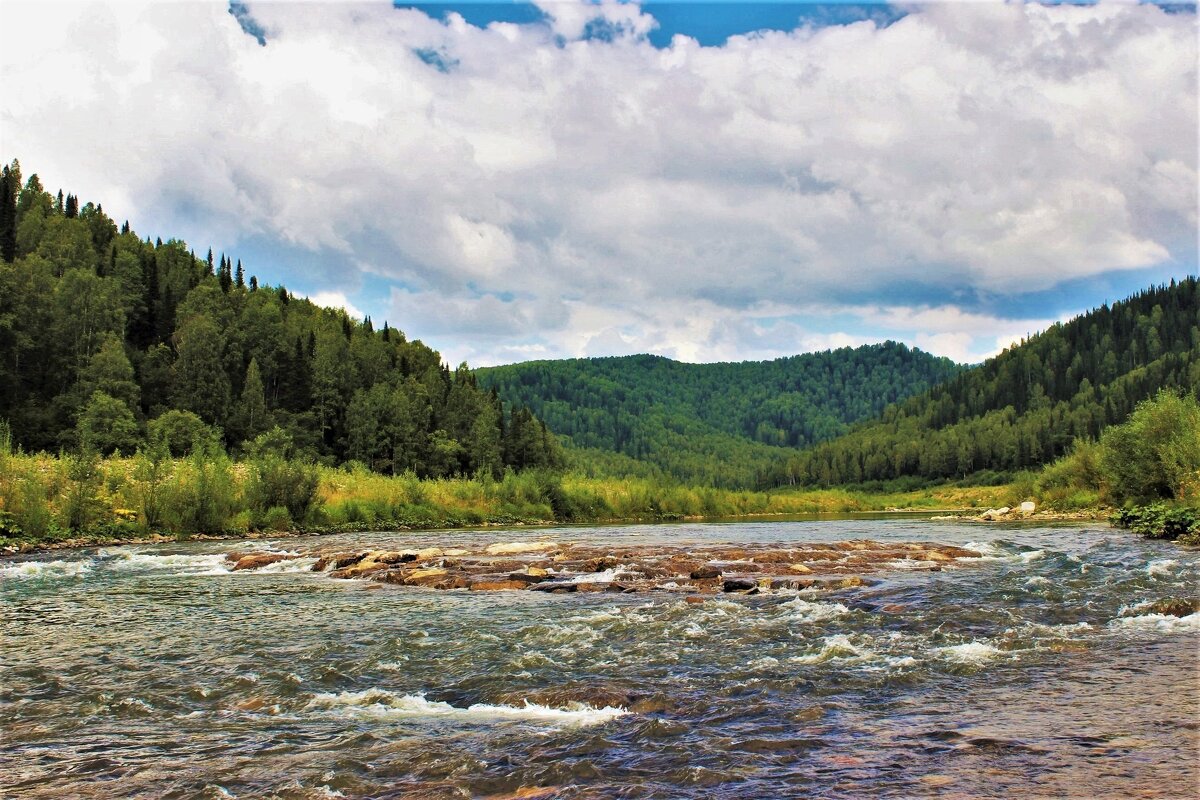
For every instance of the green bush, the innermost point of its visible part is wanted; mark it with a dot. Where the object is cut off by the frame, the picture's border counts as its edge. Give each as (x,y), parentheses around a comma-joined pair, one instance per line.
(1160,521)
(202,495)
(276,518)
(1155,455)
(278,483)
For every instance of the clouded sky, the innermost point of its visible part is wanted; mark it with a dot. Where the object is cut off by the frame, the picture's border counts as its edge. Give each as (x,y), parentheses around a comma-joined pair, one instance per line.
(705,181)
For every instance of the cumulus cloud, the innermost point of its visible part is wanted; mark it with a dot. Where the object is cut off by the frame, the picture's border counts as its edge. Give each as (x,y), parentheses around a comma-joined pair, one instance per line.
(564,187)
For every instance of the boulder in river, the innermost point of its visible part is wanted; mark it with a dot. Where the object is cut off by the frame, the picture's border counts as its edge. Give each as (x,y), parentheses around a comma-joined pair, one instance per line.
(1175,607)
(256,560)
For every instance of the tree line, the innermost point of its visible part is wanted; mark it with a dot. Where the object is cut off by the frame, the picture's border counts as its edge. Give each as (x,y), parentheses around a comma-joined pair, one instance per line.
(726,424)
(1030,404)
(107,339)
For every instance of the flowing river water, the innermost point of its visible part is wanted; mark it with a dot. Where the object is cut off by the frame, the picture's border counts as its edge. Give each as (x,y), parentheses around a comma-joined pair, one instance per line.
(1037,670)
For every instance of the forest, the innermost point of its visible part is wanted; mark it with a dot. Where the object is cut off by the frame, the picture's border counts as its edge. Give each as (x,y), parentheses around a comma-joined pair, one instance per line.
(1029,405)
(725,424)
(109,341)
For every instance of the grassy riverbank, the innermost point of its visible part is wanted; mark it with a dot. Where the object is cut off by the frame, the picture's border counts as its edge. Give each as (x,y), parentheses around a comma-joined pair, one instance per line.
(47,500)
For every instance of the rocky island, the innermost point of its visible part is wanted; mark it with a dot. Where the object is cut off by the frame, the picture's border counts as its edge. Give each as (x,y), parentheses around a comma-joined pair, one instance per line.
(558,567)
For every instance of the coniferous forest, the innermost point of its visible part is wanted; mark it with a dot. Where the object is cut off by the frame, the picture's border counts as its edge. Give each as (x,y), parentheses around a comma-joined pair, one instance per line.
(108,339)
(726,424)
(1029,405)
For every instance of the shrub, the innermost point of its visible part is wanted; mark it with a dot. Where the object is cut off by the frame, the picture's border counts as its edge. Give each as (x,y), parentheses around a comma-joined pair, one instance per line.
(1160,521)
(81,504)
(1155,455)
(278,483)
(276,518)
(201,497)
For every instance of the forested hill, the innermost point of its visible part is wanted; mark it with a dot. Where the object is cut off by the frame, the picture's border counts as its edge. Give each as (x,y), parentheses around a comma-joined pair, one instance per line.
(106,339)
(729,424)
(1026,406)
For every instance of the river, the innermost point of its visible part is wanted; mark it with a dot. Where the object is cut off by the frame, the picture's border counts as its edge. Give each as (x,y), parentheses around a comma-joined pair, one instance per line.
(1037,670)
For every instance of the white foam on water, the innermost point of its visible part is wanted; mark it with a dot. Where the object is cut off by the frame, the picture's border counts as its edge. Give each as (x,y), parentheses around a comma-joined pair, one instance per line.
(1159,623)
(911,564)
(1024,558)
(766,662)
(836,646)
(805,611)
(135,704)
(1161,568)
(393,666)
(46,569)
(178,563)
(382,704)
(983,548)
(606,576)
(970,652)
(288,566)
(1037,580)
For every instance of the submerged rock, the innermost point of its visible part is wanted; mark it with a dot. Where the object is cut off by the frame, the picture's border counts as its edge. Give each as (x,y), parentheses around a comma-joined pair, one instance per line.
(1174,607)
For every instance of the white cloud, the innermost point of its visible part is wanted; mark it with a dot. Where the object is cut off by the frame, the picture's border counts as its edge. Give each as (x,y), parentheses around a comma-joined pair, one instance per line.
(337,300)
(695,201)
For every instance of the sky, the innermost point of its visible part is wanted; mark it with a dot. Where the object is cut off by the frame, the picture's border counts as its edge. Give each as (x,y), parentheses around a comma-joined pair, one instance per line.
(706,181)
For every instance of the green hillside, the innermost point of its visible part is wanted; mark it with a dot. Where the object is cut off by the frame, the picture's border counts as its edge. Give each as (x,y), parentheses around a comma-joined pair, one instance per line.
(108,340)
(728,424)
(1026,406)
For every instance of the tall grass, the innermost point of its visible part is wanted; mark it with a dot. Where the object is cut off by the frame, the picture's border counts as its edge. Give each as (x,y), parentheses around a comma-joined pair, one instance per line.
(44,498)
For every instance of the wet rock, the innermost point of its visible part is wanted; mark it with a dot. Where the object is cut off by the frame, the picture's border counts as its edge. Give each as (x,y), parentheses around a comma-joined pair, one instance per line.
(340,561)
(771,557)
(598,564)
(1174,607)
(706,572)
(694,599)
(359,570)
(536,572)
(800,568)
(592,586)
(526,578)
(417,577)
(739,584)
(496,586)
(555,586)
(393,557)
(257,560)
